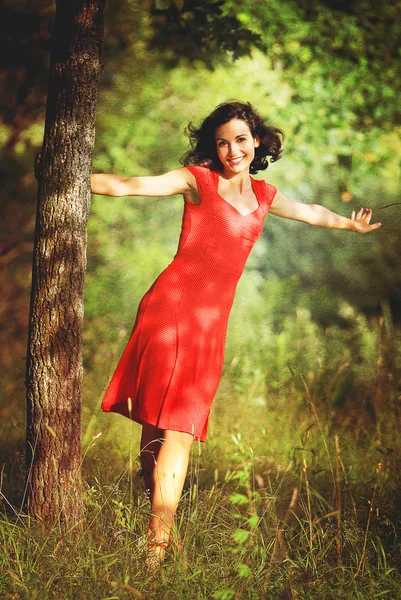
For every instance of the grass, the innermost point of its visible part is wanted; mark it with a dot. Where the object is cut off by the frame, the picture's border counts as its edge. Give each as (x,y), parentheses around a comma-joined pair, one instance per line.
(296,494)
(311,530)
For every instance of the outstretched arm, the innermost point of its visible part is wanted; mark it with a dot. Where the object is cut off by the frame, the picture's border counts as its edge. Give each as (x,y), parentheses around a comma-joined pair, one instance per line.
(315,214)
(179,181)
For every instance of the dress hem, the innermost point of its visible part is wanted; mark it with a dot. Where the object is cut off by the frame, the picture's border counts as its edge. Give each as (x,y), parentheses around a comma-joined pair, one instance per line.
(197,438)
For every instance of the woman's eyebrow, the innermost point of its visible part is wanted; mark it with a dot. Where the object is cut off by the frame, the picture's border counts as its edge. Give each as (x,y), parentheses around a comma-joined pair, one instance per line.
(236,137)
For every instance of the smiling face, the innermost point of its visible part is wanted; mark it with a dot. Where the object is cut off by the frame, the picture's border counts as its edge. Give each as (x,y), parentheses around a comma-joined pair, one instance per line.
(235,146)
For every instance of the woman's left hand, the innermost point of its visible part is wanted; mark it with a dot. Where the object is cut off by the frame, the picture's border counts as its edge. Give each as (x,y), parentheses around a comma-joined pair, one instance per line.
(362,221)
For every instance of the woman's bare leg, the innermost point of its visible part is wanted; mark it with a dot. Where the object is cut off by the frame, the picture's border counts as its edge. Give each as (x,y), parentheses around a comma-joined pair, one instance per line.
(169,455)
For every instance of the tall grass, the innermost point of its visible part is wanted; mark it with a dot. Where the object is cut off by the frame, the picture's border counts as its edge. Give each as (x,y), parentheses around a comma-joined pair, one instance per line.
(309,530)
(295,495)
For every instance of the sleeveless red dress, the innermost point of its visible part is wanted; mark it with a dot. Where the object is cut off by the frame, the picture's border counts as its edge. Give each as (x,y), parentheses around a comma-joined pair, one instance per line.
(171,367)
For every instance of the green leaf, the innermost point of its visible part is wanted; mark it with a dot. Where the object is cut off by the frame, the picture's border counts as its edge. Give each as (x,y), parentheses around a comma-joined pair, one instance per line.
(238,499)
(244,570)
(225,594)
(253,521)
(240,536)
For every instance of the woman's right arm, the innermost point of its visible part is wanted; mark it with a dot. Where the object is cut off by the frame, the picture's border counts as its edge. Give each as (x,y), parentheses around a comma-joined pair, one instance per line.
(178,181)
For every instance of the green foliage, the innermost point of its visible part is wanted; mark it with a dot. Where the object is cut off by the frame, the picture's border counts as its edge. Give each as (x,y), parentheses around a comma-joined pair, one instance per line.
(200,31)
(313,348)
(319,304)
(349,52)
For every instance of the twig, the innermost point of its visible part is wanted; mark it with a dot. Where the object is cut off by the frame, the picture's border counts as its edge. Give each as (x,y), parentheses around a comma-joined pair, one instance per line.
(308,497)
(338,491)
(388,205)
(281,549)
(365,542)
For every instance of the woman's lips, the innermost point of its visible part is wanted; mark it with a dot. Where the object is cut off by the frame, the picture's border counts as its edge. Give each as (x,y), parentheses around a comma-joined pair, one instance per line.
(236,161)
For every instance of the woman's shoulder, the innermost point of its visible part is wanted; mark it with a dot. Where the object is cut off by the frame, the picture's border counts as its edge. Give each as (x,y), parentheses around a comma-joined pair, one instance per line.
(203,174)
(200,170)
(264,185)
(266,190)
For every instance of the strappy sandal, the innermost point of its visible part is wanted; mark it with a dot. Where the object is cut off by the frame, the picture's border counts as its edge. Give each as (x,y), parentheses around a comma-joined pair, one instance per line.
(173,550)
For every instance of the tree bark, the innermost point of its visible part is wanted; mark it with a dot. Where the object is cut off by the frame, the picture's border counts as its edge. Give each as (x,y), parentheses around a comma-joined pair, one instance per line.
(54,356)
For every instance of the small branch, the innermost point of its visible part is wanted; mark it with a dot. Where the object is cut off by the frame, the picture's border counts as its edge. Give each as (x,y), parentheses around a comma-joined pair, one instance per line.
(365,542)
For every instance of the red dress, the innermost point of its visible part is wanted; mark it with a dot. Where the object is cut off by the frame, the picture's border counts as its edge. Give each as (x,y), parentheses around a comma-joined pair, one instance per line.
(171,367)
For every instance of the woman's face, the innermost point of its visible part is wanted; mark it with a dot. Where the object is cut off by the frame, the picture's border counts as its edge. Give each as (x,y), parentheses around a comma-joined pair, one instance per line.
(235,146)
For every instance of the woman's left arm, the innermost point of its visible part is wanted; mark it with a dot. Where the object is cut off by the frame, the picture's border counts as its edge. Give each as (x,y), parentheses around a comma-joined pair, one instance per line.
(315,214)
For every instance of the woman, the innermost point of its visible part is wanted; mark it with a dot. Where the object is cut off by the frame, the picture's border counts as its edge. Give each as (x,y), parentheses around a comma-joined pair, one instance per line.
(169,372)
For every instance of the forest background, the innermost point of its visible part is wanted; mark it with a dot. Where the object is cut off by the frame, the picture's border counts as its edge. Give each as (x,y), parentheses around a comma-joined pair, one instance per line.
(314,337)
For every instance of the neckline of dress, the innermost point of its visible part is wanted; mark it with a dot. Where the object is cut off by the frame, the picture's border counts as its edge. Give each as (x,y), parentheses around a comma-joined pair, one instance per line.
(232,205)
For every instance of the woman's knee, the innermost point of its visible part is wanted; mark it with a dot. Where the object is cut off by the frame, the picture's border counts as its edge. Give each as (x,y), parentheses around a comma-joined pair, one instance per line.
(179,438)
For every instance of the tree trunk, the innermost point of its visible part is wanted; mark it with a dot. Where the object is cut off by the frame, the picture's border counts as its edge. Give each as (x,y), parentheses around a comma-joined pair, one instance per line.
(54,356)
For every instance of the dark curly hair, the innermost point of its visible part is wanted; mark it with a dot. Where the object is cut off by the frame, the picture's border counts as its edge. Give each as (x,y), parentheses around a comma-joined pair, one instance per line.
(203,144)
